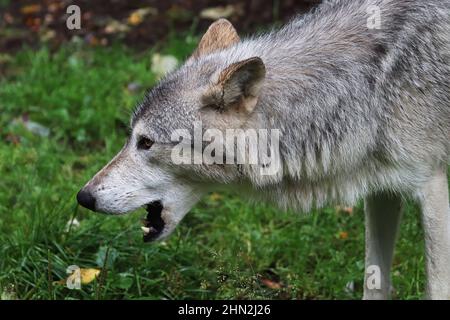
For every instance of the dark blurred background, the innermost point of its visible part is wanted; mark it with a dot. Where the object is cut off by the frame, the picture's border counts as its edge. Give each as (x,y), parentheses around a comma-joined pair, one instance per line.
(136,23)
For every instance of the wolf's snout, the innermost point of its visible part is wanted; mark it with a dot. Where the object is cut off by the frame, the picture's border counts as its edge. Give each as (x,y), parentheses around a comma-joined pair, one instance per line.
(86,199)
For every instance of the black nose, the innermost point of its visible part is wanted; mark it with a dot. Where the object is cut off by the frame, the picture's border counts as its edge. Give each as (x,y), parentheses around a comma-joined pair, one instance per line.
(86,199)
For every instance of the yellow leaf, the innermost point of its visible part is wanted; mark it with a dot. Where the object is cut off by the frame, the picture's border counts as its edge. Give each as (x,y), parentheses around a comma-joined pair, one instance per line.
(218,12)
(134,19)
(31,9)
(343,235)
(59,282)
(88,275)
(215,197)
(137,16)
(348,210)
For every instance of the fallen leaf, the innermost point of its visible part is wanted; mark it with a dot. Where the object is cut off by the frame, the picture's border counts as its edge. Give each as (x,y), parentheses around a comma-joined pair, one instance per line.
(271,284)
(86,276)
(343,235)
(30,9)
(134,19)
(115,26)
(215,196)
(218,12)
(137,16)
(348,210)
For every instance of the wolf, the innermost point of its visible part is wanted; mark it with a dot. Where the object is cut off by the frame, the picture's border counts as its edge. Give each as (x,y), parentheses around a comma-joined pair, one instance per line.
(364,113)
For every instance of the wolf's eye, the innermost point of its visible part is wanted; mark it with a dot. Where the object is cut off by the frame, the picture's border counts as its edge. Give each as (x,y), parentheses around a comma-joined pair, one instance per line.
(144,143)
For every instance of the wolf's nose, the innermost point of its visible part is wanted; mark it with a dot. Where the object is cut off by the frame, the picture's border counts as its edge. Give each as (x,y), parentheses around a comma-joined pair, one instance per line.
(86,199)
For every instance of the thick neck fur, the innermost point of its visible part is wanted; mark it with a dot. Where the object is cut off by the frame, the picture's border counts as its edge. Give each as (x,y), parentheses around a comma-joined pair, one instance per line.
(337,90)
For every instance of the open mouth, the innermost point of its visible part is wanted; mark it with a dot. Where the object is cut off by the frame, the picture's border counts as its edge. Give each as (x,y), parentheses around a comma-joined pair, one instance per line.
(153,223)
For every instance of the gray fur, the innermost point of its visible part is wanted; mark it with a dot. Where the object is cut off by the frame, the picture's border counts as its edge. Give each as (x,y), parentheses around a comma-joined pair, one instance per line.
(360,110)
(363,113)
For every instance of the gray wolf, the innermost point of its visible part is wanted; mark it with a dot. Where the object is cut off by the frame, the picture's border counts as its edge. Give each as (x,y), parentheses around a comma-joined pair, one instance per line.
(363,113)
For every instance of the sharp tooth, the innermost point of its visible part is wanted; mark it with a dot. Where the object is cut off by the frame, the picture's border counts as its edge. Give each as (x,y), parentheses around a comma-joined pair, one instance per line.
(146,230)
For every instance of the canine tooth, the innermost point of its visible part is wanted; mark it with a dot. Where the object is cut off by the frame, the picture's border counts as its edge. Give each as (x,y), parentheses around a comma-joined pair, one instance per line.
(146,230)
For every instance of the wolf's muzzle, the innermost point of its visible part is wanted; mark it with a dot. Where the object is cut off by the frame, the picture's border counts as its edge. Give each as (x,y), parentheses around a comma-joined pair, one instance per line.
(85,198)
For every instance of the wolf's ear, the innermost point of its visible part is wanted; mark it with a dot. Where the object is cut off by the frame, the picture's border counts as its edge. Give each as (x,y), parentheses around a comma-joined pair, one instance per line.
(219,36)
(238,86)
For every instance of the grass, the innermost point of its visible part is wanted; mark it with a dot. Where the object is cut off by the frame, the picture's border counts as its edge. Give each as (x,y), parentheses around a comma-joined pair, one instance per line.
(225,248)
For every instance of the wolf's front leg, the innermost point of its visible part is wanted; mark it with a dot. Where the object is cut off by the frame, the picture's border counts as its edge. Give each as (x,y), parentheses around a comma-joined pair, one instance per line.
(434,201)
(383,215)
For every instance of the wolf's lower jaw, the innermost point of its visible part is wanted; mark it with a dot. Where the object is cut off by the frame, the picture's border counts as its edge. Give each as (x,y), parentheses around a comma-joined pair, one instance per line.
(153,223)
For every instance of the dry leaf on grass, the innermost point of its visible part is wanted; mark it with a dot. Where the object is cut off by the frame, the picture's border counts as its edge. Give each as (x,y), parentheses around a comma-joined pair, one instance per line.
(218,12)
(137,16)
(86,276)
(215,196)
(30,9)
(271,284)
(348,210)
(89,275)
(343,235)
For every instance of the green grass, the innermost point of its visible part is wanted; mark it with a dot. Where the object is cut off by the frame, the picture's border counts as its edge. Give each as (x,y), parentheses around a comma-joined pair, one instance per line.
(225,248)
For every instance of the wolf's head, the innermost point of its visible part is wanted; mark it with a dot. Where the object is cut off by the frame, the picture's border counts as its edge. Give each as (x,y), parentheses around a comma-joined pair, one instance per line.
(220,93)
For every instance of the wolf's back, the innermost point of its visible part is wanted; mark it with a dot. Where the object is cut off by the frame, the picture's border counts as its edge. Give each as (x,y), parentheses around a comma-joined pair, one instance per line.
(357,91)
(397,73)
